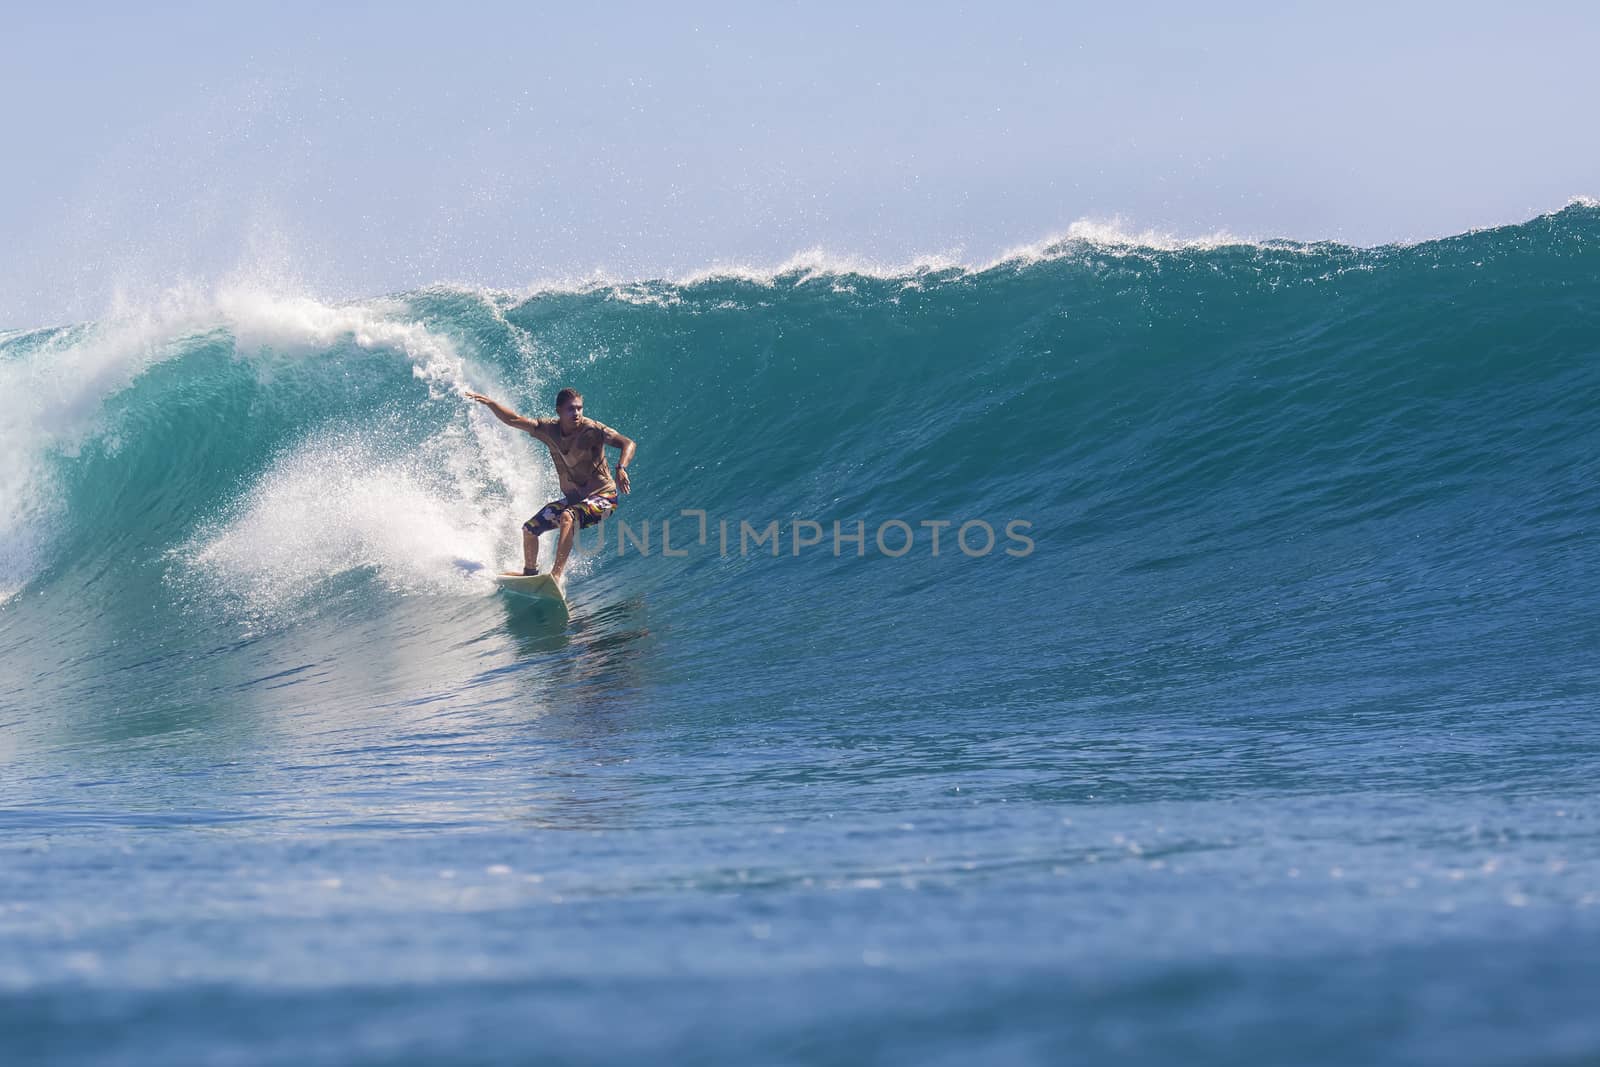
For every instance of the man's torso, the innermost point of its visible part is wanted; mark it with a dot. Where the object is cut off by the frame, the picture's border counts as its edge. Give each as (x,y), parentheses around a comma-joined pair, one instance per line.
(580,457)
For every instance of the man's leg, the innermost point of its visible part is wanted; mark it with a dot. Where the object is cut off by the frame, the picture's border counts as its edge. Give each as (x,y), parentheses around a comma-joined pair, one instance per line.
(569,525)
(545,520)
(530,549)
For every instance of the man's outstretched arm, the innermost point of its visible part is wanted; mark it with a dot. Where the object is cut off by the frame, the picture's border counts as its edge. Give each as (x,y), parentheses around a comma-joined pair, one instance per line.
(626,444)
(504,414)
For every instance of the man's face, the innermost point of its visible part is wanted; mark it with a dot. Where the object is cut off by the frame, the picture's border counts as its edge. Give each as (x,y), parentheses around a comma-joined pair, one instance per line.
(570,413)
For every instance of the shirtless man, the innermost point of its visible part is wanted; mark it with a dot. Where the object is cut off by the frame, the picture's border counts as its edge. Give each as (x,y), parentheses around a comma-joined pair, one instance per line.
(578,446)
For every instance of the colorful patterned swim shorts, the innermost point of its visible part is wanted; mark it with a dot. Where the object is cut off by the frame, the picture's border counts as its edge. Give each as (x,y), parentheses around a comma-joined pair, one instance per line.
(587,510)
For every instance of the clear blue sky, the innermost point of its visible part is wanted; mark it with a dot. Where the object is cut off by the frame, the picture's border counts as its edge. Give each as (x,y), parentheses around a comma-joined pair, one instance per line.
(375,147)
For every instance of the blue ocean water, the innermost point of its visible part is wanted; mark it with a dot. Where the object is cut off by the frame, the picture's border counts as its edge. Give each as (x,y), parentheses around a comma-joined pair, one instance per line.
(1262,730)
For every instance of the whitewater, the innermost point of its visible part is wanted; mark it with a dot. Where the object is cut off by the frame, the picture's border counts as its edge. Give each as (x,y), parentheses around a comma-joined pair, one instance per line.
(1129,649)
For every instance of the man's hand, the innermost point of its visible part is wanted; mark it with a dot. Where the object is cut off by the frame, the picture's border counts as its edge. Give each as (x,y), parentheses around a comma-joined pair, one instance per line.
(617,440)
(479,397)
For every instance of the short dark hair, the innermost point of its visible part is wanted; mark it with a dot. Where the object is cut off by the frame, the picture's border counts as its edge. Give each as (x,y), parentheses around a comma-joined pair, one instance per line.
(567,396)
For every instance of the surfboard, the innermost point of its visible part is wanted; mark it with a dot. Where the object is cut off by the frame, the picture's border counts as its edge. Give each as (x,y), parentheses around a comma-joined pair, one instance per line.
(537,587)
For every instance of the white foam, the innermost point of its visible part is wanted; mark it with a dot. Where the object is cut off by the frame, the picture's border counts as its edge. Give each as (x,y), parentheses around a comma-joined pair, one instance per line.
(52,400)
(345,501)
(816,264)
(350,501)
(259,320)
(1113,236)
(811,265)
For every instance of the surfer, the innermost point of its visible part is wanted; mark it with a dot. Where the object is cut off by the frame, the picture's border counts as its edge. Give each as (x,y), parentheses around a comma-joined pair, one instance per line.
(578,447)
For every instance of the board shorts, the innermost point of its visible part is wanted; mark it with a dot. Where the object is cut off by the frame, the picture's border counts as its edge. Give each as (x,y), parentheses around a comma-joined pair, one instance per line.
(587,510)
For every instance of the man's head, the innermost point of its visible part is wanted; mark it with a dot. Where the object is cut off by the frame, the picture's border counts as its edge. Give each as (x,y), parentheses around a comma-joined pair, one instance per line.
(569,406)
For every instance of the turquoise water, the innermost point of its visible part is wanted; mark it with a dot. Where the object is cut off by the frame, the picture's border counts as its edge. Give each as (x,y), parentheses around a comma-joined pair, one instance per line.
(1267,735)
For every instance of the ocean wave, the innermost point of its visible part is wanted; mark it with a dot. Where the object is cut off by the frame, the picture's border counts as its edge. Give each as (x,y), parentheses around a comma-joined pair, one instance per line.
(1149,375)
